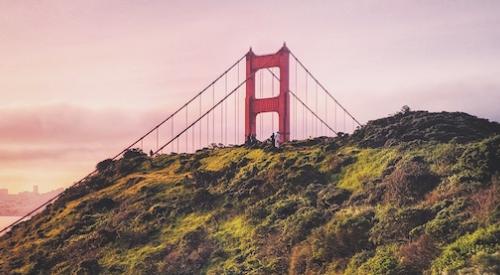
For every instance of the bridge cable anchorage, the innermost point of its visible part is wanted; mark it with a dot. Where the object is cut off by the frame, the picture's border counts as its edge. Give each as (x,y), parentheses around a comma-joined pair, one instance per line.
(131,145)
(323,87)
(208,111)
(305,105)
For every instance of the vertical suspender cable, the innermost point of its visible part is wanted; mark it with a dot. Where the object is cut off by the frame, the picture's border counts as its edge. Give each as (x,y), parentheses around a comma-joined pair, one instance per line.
(272,95)
(157,139)
(295,105)
(307,103)
(187,137)
(261,95)
(303,121)
(199,134)
(235,98)
(345,130)
(213,114)
(193,135)
(225,112)
(237,106)
(326,115)
(335,116)
(208,131)
(222,115)
(172,134)
(316,110)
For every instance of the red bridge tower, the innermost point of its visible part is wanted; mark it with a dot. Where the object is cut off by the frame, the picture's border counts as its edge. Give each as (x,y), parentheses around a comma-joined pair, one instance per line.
(279,104)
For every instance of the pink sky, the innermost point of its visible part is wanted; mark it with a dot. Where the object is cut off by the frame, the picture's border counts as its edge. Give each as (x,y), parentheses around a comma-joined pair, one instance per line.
(79,79)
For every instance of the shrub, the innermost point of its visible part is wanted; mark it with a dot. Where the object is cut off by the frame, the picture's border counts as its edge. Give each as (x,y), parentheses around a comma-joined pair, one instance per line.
(383,262)
(416,256)
(284,208)
(105,165)
(409,183)
(299,259)
(480,160)
(485,202)
(298,226)
(343,236)
(460,253)
(449,223)
(395,225)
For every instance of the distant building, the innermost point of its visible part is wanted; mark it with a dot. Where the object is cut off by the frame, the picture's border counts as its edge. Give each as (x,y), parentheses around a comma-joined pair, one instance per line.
(35,189)
(4,192)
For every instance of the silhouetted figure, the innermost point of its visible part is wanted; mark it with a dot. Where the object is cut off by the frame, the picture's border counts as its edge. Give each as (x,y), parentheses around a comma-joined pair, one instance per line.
(273,140)
(151,153)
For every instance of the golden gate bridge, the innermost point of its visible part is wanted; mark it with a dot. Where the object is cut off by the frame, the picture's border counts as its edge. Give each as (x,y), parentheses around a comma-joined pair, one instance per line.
(274,93)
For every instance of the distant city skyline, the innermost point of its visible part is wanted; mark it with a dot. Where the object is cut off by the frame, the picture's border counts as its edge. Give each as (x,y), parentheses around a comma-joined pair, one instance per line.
(34,190)
(81,79)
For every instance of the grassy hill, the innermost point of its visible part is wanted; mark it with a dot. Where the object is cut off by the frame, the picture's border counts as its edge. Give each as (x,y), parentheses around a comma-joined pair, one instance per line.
(413,193)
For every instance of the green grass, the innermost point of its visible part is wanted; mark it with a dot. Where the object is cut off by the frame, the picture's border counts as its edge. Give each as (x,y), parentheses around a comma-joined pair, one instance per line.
(458,254)
(369,165)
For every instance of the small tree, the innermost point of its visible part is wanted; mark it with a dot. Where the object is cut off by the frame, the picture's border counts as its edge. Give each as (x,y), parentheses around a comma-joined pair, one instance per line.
(405,109)
(105,165)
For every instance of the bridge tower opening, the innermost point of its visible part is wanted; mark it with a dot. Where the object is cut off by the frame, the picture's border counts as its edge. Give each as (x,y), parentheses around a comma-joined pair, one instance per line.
(279,104)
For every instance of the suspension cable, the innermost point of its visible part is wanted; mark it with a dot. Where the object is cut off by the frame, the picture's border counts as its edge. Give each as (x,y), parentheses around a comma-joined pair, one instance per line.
(204,114)
(128,147)
(323,87)
(305,106)
(208,111)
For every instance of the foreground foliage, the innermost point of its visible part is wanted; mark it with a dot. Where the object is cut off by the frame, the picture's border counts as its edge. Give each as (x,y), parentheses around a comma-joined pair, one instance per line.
(410,194)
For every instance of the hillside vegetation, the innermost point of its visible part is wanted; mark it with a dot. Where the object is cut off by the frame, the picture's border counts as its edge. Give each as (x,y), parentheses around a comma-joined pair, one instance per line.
(413,193)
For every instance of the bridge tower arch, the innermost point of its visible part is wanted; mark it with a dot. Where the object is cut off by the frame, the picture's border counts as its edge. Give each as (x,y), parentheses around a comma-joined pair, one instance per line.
(279,104)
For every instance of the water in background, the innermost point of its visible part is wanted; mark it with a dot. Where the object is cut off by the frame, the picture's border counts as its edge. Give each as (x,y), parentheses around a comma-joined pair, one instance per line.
(6,220)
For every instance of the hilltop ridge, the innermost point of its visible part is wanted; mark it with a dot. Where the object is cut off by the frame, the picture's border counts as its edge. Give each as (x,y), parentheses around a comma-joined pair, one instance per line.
(413,193)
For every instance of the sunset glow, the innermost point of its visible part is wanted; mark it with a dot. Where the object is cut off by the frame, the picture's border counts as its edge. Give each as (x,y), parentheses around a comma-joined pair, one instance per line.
(81,79)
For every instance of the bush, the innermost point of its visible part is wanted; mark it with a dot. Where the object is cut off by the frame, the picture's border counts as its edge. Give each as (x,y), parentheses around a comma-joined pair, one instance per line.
(105,165)
(450,222)
(299,259)
(480,161)
(416,256)
(409,183)
(485,202)
(395,225)
(384,262)
(459,254)
(343,236)
(298,226)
